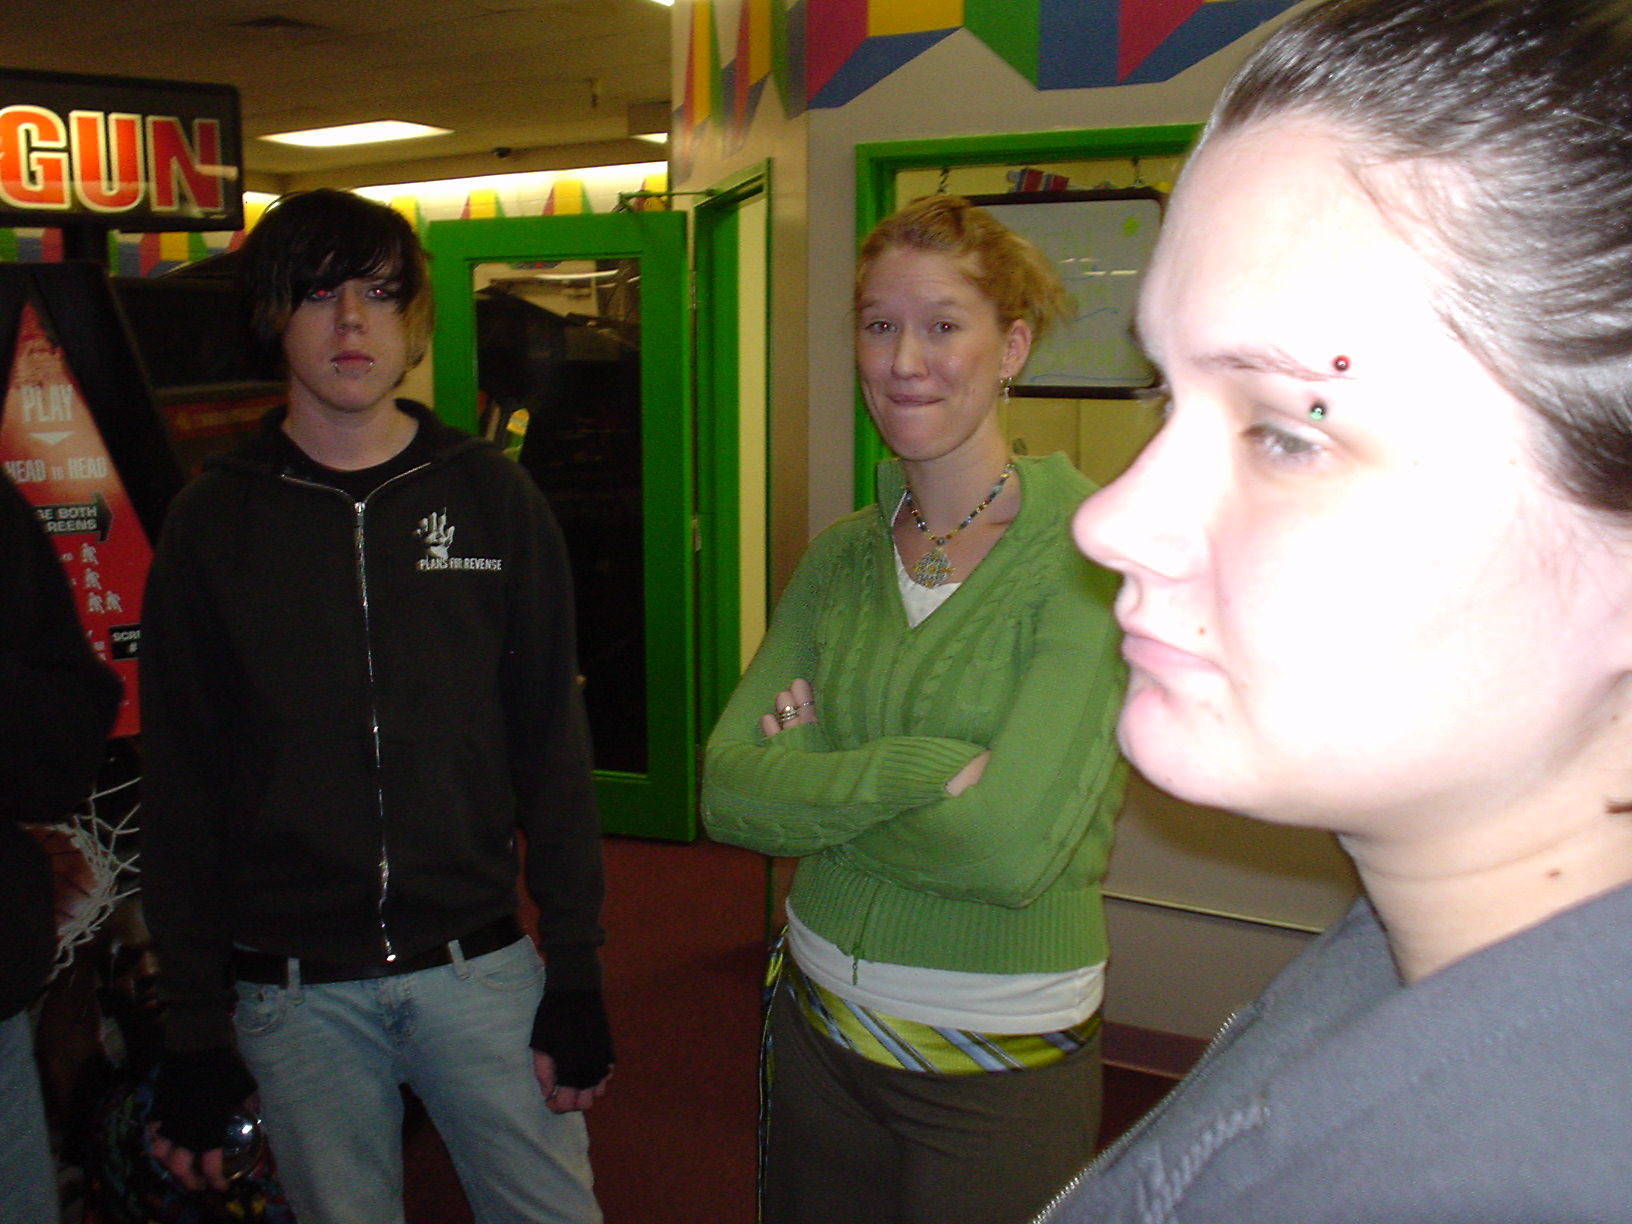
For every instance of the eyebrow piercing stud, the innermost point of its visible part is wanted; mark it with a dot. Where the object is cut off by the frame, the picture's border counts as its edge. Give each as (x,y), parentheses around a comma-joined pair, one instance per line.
(1340,364)
(1317,410)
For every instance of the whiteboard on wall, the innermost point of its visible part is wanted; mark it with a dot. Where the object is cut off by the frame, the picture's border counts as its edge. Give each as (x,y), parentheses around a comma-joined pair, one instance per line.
(1099,243)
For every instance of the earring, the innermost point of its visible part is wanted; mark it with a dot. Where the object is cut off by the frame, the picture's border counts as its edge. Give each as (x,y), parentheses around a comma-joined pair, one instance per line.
(1006,384)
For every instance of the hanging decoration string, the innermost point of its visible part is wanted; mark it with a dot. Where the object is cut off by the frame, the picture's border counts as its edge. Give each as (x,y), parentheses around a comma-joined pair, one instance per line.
(933,569)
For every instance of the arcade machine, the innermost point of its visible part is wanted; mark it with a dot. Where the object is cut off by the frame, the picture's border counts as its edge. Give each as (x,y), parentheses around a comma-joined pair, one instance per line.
(187,331)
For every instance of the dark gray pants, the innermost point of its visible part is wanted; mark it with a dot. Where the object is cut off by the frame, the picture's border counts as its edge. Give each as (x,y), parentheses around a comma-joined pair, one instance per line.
(853,1142)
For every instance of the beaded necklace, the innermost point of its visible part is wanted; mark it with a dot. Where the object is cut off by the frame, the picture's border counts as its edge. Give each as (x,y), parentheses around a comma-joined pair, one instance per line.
(933,569)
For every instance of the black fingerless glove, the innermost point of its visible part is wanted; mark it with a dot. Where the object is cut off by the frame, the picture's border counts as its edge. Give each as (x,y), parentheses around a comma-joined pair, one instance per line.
(195,1093)
(571,1028)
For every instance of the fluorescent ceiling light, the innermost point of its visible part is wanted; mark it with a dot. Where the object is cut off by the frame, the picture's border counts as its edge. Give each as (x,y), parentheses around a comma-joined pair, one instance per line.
(666,3)
(357,133)
(654,137)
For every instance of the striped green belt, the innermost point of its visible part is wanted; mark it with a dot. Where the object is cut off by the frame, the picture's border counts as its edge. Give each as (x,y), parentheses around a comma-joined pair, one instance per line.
(895,1042)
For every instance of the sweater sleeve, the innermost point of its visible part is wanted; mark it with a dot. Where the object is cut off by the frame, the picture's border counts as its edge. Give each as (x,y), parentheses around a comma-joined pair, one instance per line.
(550,757)
(794,794)
(187,730)
(1054,778)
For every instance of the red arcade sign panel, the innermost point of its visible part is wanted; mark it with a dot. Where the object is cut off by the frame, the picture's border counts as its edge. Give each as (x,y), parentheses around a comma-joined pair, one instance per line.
(121,153)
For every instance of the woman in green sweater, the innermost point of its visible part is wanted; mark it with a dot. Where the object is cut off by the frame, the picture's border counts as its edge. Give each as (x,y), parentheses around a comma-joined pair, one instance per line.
(928,729)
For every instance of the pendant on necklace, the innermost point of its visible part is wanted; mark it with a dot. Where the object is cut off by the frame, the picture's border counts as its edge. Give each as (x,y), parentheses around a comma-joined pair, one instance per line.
(932,569)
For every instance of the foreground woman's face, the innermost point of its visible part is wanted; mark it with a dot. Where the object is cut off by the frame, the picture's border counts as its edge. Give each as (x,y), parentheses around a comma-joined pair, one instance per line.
(1351,599)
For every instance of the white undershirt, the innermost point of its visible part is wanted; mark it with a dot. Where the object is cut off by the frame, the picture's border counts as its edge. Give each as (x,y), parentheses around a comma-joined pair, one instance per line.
(950,998)
(919,600)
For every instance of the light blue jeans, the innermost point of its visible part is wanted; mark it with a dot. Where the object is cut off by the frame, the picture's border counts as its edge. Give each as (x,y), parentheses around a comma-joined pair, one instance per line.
(28,1178)
(329,1060)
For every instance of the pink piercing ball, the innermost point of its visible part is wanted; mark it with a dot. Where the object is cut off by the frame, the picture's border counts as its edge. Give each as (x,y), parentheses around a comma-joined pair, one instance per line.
(1340,364)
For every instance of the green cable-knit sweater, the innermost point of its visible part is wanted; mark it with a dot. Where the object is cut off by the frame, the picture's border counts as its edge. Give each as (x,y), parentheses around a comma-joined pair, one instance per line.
(1022,659)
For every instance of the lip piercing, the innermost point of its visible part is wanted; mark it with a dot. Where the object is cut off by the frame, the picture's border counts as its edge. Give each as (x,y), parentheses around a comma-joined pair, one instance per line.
(335,362)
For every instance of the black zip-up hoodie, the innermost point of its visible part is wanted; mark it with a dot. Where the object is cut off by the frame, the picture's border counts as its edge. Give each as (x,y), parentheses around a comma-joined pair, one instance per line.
(348,709)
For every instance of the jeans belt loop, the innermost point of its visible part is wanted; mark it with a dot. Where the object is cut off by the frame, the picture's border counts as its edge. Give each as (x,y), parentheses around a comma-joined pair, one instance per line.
(456,959)
(254,966)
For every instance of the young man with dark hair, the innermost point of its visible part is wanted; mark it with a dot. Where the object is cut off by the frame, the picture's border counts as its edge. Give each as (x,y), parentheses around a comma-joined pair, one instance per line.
(359,681)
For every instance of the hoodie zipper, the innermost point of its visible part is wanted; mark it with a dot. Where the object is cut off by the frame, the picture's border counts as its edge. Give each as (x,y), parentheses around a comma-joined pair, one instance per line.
(1114,1152)
(360,560)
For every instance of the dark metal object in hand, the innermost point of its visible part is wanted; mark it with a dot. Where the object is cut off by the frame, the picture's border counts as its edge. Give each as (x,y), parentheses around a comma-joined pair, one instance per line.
(241,1146)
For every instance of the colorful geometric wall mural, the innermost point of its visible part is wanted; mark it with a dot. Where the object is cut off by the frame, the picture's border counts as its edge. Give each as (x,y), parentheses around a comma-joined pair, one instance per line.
(534,193)
(819,54)
(641,187)
(128,254)
(133,254)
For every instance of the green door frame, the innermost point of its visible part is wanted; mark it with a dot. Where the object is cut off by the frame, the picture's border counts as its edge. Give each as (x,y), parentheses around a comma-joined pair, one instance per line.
(878,163)
(716,235)
(719,443)
(662,802)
